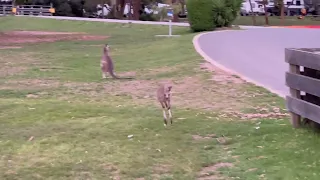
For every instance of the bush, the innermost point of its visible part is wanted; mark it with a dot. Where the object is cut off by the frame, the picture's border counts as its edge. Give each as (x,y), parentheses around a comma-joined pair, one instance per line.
(206,15)
(200,15)
(147,17)
(225,11)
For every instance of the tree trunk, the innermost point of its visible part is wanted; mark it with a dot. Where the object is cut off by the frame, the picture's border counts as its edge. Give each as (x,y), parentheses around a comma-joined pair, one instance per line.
(252,15)
(136,8)
(175,18)
(282,12)
(265,2)
(182,2)
(130,7)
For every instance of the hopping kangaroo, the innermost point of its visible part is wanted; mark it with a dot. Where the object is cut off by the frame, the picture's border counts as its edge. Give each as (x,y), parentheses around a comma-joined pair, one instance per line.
(164,97)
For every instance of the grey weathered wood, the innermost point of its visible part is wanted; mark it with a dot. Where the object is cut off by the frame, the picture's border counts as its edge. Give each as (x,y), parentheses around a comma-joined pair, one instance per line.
(306,57)
(303,108)
(295,118)
(303,83)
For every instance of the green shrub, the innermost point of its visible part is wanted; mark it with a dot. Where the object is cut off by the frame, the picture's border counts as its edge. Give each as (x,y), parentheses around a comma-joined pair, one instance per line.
(200,15)
(147,17)
(225,11)
(206,15)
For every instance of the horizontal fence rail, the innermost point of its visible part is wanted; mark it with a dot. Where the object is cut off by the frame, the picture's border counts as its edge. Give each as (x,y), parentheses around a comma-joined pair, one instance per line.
(32,10)
(308,81)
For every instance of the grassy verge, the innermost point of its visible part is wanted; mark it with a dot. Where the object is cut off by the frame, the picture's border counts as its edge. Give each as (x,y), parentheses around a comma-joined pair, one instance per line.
(60,120)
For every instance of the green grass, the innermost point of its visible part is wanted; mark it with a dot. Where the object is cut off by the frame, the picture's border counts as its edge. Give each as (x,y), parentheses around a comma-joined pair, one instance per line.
(80,123)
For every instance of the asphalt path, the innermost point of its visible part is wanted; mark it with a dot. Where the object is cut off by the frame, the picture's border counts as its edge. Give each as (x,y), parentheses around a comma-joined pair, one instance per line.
(258,54)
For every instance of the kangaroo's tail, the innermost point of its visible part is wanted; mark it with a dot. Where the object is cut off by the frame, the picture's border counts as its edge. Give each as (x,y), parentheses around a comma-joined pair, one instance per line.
(113,75)
(117,77)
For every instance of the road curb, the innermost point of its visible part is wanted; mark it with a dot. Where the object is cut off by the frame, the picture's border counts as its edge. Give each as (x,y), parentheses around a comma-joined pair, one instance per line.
(196,45)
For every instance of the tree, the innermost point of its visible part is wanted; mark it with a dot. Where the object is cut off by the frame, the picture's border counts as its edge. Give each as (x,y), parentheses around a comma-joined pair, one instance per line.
(136,9)
(265,2)
(252,14)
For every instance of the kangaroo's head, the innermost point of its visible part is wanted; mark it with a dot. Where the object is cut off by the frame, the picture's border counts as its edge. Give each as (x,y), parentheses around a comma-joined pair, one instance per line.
(167,91)
(106,48)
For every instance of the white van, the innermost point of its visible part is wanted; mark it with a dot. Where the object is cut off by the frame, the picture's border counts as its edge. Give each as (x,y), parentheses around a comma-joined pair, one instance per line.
(246,9)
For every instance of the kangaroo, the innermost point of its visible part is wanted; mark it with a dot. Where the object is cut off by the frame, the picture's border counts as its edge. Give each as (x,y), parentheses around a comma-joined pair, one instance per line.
(106,64)
(164,97)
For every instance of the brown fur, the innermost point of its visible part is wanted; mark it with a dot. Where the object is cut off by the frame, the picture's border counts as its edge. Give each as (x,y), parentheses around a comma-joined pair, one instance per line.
(164,98)
(106,63)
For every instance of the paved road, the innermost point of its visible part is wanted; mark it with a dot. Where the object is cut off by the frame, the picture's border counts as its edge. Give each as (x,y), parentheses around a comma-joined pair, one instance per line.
(258,54)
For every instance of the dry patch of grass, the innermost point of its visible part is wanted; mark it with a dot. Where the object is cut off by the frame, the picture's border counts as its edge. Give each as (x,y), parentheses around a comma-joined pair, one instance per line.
(22,37)
(16,63)
(220,76)
(195,92)
(255,113)
(206,137)
(212,172)
(10,47)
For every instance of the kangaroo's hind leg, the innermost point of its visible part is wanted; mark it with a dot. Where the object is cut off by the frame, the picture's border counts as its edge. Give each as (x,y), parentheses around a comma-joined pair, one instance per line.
(169,110)
(164,114)
(104,70)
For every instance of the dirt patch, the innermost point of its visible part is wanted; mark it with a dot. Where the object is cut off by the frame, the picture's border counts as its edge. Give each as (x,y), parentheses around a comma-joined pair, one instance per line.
(9,71)
(220,76)
(224,140)
(260,112)
(29,84)
(199,138)
(210,172)
(194,91)
(42,33)
(161,169)
(20,37)
(10,47)
(115,172)
(187,92)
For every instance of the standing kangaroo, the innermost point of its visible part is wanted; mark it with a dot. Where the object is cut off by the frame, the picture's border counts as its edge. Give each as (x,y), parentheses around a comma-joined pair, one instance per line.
(164,97)
(106,63)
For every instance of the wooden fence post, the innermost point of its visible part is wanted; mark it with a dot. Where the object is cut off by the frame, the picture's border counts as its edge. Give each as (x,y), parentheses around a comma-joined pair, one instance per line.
(295,118)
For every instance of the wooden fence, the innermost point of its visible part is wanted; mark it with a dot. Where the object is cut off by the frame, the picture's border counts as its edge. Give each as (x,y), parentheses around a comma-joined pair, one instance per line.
(5,10)
(32,10)
(306,81)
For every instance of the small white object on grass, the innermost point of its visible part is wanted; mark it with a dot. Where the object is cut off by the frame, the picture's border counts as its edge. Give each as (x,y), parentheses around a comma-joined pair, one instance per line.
(257,127)
(130,136)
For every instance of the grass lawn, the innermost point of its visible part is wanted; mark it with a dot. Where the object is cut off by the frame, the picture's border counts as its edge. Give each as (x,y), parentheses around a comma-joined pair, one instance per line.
(60,120)
(276,21)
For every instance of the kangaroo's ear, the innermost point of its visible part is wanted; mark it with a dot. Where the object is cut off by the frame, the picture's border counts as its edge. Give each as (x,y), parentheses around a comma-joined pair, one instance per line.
(169,88)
